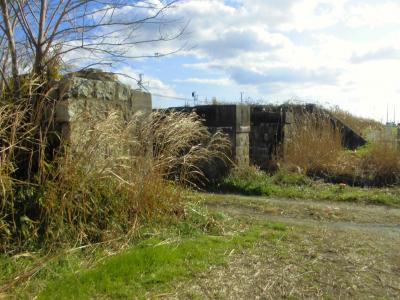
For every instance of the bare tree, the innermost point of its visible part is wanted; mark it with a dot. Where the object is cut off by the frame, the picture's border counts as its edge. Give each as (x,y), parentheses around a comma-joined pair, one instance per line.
(37,37)
(37,34)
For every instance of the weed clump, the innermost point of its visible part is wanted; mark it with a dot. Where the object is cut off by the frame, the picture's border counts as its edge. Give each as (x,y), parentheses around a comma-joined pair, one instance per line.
(380,164)
(286,178)
(246,180)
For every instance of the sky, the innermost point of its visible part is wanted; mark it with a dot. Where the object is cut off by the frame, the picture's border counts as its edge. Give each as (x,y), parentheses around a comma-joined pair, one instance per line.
(342,52)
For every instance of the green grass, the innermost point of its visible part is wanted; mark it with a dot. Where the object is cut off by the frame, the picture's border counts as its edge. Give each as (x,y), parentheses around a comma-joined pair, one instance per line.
(149,265)
(163,252)
(292,185)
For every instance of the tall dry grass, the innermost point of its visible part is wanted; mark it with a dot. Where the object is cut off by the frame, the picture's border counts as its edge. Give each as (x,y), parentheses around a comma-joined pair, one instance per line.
(183,147)
(312,144)
(314,147)
(101,185)
(14,133)
(379,164)
(360,125)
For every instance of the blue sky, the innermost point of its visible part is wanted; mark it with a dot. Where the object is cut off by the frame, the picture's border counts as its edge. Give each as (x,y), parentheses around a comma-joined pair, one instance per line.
(342,52)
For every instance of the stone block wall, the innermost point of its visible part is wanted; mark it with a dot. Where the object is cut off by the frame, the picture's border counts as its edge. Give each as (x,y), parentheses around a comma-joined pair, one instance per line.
(96,93)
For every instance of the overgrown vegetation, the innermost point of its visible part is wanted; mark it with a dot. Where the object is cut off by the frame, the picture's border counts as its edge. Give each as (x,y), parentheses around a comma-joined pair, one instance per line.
(102,185)
(312,144)
(314,147)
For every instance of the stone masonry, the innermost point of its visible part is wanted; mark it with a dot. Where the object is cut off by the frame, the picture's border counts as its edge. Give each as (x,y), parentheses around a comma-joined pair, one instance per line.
(97,93)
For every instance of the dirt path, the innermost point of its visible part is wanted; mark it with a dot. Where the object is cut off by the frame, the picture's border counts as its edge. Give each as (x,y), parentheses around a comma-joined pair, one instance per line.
(334,215)
(330,250)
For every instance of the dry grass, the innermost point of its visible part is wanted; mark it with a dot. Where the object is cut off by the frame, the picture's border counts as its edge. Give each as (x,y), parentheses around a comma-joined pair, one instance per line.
(183,145)
(381,164)
(360,125)
(101,185)
(314,147)
(376,164)
(313,144)
(14,132)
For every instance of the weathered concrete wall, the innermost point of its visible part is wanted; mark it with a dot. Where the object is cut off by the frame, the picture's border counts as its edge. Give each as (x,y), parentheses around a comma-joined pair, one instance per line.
(258,133)
(272,129)
(266,135)
(96,93)
(233,120)
(351,139)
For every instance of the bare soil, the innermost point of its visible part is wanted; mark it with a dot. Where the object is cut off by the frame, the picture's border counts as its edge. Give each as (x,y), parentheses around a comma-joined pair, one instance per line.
(329,250)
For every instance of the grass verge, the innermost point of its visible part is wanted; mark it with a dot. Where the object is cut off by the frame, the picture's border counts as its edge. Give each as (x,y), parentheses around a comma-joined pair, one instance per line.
(292,185)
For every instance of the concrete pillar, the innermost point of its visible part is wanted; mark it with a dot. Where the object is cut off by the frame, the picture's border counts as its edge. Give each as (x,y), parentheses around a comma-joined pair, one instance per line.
(242,135)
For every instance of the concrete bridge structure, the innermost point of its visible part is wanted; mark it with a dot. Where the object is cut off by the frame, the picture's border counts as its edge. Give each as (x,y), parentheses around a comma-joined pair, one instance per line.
(258,132)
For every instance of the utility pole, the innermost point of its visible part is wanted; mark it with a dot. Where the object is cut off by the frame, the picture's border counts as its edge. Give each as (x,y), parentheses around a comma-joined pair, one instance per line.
(195,98)
(387,113)
(140,82)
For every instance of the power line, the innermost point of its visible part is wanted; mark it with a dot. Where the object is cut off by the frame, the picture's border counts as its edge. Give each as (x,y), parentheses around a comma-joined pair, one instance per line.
(171,97)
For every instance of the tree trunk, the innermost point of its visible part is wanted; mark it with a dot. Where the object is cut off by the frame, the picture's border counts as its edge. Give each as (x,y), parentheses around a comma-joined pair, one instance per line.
(9,32)
(39,55)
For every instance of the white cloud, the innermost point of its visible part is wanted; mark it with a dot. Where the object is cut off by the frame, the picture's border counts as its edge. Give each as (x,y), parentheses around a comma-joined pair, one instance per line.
(373,15)
(308,49)
(214,81)
(234,41)
(314,15)
(154,85)
(283,75)
(376,54)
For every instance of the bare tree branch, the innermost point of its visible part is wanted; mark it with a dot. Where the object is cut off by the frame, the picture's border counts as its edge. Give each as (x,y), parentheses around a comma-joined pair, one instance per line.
(9,33)
(39,34)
